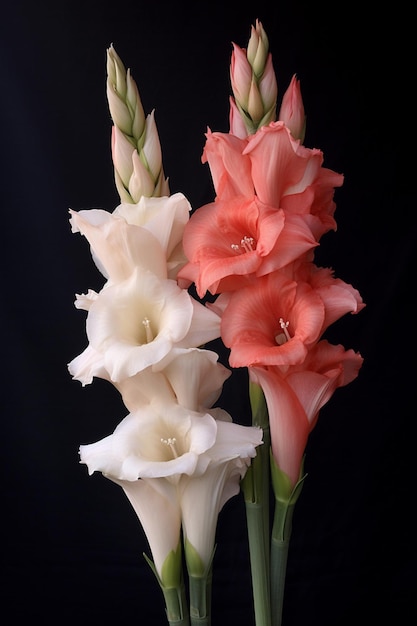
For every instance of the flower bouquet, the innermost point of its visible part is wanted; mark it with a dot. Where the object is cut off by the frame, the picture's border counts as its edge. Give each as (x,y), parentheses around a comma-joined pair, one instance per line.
(248,258)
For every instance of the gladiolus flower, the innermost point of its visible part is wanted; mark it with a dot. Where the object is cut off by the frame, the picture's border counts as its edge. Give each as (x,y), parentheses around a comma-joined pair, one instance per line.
(275,167)
(291,319)
(202,500)
(192,377)
(295,314)
(118,247)
(152,451)
(279,165)
(165,218)
(126,238)
(135,323)
(164,441)
(295,395)
(232,242)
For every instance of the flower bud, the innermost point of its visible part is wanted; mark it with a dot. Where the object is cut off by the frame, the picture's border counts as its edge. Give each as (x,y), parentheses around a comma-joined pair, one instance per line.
(292,110)
(240,76)
(136,150)
(254,83)
(258,46)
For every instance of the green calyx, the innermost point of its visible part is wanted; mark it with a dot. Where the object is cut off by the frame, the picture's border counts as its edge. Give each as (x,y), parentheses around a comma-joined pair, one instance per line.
(171,572)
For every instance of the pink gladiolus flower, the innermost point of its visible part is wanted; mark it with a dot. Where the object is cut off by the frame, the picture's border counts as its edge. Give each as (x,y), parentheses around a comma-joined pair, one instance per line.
(295,396)
(280,166)
(272,322)
(233,241)
(295,314)
(273,165)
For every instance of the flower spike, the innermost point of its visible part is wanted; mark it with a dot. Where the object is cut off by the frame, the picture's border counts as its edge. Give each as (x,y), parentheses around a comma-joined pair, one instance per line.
(136,150)
(254,85)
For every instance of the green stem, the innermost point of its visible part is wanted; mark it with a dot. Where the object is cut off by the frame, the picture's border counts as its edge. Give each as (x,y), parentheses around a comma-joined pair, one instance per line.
(281,534)
(259,559)
(200,599)
(286,497)
(256,487)
(176,606)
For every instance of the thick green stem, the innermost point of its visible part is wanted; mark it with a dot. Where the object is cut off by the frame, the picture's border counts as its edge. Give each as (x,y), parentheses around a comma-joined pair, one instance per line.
(256,488)
(259,559)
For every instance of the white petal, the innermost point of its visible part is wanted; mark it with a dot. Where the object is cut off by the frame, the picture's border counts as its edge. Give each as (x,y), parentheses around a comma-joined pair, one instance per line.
(145,387)
(205,326)
(86,365)
(118,247)
(156,505)
(201,502)
(195,375)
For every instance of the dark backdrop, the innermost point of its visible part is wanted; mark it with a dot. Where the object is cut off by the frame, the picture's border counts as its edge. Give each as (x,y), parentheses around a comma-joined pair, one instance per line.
(71,545)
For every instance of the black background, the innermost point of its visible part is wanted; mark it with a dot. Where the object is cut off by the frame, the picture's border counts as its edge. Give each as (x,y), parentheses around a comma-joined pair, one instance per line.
(71,544)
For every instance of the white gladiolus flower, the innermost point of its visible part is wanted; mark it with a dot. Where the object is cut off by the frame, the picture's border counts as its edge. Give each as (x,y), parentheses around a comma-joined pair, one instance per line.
(153,443)
(201,502)
(135,324)
(202,499)
(190,377)
(170,456)
(118,247)
(165,218)
(125,238)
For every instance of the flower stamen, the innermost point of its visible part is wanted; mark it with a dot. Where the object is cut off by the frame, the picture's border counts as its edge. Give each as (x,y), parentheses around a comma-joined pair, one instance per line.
(285,336)
(170,442)
(247,243)
(147,324)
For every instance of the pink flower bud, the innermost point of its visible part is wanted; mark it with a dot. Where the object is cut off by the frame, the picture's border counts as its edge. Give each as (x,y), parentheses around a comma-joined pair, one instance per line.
(237,125)
(292,110)
(268,85)
(240,75)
